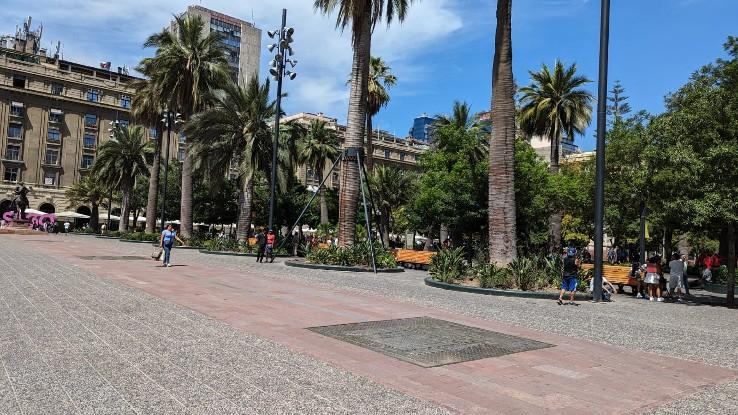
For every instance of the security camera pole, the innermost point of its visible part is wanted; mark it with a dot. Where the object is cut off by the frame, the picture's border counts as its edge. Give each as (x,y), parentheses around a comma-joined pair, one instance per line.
(277,70)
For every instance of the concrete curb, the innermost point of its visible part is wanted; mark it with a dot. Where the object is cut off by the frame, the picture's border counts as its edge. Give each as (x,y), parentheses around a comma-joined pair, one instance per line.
(226,253)
(299,264)
(130,241)
(429,281)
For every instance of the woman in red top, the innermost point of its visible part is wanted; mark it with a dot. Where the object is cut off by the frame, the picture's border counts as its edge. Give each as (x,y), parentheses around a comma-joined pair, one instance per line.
(653,272)
(271,238)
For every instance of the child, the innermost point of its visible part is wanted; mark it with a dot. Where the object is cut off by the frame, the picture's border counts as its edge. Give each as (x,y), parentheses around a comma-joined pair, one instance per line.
(571,272)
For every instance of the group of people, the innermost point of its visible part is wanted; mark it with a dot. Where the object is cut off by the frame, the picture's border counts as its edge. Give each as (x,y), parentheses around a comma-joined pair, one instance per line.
(265,241)
(651,281)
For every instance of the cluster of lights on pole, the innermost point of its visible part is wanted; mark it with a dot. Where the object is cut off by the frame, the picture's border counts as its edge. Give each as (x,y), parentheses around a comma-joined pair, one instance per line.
(284,55)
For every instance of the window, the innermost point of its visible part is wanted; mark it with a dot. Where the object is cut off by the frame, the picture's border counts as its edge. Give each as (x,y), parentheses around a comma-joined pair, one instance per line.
(402,156)
(182,138)
(49,178)
(386,154)
(57,89)
(87,161)
(53,135)
(52,156)
(125,101)
(15,131)
(56,115)
(12,152)
(417,157)
(16,109)
(90,120)
(93,95)
(336,179)
(153,133)
(123,123)
(19,82)
(11,174)
(181,154)
(89,140)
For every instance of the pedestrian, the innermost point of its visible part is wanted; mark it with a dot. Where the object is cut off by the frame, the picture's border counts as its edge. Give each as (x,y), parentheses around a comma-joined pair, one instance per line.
(166,242)
(653,269)
(685,276)
(635,273)
(67,225)
(260,245)
(271,238)
(570,277)
(676,277)
(295,243)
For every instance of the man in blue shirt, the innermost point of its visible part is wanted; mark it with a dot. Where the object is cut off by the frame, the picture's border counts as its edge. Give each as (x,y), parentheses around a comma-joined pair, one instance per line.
(166,242)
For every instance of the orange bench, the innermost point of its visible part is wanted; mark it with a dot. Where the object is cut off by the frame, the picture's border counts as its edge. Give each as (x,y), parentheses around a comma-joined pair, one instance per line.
(414,259)
(616,275)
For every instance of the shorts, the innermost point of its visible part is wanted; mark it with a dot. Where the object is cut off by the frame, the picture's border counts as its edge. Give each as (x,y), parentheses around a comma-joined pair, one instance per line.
(269,248)
(676,281)
(652,278)
(569,284)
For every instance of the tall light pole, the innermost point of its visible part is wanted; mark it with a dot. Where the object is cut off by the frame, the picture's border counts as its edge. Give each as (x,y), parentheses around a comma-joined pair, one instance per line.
(601,126)
(169,118)
(283,37)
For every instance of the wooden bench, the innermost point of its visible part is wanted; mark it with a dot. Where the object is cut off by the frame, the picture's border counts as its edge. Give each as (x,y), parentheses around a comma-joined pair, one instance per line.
(617,275)
(252,241)
(413,259)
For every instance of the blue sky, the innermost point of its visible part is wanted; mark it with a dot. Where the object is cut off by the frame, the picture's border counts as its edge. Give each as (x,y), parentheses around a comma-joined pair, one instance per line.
(441,53)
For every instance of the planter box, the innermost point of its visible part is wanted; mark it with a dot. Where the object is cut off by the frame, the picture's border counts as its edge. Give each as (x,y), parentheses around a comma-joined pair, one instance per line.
(307,265)
(550,295)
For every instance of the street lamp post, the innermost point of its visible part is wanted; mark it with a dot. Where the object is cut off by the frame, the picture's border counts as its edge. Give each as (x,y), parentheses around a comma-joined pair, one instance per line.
(601,126)
(283,38)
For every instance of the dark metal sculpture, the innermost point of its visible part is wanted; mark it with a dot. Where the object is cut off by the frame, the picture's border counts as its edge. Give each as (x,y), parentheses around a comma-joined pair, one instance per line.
(20,201)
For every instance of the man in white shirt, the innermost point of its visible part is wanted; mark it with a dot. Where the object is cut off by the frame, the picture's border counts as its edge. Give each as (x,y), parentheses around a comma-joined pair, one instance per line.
(676,276)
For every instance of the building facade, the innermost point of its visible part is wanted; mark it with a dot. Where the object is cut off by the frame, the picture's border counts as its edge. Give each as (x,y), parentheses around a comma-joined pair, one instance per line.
(542,145)
(421,128)
(241,41)
(389,150)
(54,114)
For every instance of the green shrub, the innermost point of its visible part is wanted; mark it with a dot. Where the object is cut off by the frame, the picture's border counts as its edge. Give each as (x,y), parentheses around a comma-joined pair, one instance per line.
(84,230)
(552,271)
(493,276)
(140,236)
(448,265)
(221,244)
(524,273)
(349,256)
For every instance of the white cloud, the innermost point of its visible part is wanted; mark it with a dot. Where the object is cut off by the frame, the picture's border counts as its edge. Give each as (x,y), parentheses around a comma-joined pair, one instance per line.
(92,31)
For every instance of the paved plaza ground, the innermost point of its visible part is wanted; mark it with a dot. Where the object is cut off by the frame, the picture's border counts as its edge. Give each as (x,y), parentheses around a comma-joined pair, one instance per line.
(90,325)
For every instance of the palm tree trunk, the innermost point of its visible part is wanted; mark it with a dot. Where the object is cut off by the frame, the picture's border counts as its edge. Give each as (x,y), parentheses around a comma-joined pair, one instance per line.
(429,239)
(125,205)
(246,198)
(502,215)
(95,217)
(185,214)
(385,226)
(355,132)
(153,197)
(323,201)
(369,159)
(554,221)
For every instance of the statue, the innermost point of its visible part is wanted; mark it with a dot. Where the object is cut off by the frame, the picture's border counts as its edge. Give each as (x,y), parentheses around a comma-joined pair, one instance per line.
(20,200)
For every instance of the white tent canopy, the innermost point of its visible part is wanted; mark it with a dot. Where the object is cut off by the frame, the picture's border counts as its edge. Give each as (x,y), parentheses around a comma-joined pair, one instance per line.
(34,212)
(71,215)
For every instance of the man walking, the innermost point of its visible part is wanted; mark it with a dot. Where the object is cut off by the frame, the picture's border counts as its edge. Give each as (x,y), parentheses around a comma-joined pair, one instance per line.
(260,245)
(571,273)
(166,242)
(676,277)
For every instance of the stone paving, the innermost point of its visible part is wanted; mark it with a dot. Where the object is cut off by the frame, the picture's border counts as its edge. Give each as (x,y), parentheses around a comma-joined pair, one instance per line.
(697,333)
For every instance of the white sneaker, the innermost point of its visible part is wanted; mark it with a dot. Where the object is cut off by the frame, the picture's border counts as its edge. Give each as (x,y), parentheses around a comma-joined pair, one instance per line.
(650,298)
(639,295)
(169,265)
(660,299)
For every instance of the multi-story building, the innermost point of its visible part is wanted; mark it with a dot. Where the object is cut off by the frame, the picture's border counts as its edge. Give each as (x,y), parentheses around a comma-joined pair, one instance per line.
(241,41)
(53,116)
(422,127)
(542,145)
(388,149)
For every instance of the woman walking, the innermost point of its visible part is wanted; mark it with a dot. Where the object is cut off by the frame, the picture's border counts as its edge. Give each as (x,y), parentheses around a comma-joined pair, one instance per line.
(166,242)
(653,271)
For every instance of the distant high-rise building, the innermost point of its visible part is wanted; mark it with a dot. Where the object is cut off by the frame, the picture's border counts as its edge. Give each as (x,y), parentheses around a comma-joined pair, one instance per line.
(241,41)
(421,128)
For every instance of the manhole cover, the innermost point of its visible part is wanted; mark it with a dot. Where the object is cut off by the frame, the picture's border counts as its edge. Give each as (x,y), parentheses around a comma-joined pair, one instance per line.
(113,258)
(429,342)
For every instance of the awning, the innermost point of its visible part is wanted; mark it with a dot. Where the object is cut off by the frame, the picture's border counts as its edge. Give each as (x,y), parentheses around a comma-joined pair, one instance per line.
(71,215)
(56,111)
(16,104)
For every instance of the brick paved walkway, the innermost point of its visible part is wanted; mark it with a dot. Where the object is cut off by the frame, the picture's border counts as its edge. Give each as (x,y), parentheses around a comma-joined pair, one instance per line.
(73,332)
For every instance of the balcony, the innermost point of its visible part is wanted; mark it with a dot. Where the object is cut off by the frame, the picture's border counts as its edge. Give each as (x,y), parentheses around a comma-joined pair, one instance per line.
(47,162)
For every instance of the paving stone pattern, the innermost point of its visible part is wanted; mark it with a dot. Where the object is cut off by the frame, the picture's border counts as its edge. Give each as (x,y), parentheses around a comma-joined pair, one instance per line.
(73,343)
(429,342)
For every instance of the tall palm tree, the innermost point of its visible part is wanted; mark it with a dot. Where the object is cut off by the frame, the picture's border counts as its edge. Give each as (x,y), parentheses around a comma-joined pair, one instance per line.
(87,191)
(362,16)
(318,145)
(380,80)
(120,160)
(188,63)
(553,105)
(391,189)
(502,242)
(460,116)
(234,136)
(146,108)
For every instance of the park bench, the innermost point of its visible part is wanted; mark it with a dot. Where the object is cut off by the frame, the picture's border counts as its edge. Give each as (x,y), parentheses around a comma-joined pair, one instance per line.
(252,241)
(413,259)
(617,275)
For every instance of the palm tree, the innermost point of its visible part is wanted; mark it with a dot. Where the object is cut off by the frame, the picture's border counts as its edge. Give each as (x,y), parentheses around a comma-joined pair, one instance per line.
(502,242)
(318,145)
(87,191)
(120,160)
(234,136)
(189,62)
(380,80)
(362,16)
(460,117)
(391,189)
(146,108)
(554,106)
